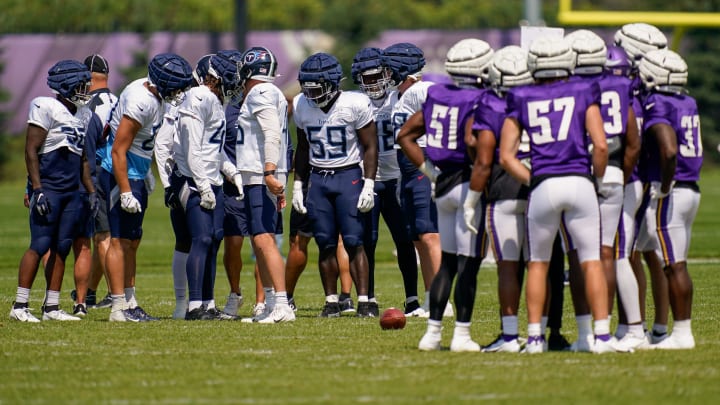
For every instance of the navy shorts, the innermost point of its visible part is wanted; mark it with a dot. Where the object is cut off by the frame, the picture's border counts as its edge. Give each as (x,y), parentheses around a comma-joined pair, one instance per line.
(123,224)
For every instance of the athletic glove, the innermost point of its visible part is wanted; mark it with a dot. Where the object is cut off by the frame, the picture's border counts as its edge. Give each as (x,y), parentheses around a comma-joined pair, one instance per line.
(297,199)
(602,189)
(207,198)
(237,180)
(172,200)
(469,205)
(655,190)
(39,202)
(430,170)
(129,203)
(366,202)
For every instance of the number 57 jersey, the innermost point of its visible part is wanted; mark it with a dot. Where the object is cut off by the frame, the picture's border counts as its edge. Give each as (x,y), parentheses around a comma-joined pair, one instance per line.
(332,136)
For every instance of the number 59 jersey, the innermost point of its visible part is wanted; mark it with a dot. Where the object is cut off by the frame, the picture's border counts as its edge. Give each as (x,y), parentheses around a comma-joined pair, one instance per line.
(59,171)
(138,103)
(554,116)
(332,136)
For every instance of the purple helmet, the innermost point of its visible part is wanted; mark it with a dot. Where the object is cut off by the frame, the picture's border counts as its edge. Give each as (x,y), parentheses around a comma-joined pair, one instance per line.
(618,62)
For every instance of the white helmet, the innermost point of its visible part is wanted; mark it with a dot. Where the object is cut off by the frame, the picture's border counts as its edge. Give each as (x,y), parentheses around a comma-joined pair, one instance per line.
(509,68)
(638,39)
(663,70)
(468,61)
(590,51)
(550,57)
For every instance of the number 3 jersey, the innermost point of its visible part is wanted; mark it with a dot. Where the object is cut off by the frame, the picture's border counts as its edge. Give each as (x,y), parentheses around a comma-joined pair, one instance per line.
(201,134)
(554,116)
(680,112)
(332,136)
(138,103)
(61,154)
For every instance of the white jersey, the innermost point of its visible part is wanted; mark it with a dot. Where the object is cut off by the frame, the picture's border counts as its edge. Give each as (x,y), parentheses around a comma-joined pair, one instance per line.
(201,131)
(332,136)
(64,130)
(387,168)
(139,104)
(102,103)
(165,141)
(250,144)
(408,104)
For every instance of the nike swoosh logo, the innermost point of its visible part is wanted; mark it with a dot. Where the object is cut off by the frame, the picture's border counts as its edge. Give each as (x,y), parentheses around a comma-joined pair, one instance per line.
(141,109)
(420,177)
(356,181)
(37,106)
(649,106)
(262,92)
(199,99)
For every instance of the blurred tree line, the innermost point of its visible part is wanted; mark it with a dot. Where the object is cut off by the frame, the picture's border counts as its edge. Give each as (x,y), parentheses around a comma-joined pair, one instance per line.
(353,23)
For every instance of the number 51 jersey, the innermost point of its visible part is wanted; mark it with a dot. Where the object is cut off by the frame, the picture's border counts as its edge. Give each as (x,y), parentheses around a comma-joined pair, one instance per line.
(332,136)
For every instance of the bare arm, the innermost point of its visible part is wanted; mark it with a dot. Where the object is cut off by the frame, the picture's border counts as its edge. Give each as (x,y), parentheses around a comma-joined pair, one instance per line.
(302,157)
(413,129)
(34,140)
(86,177)
(367,136)
(632,145)
(594,125)
(484,157)
(123,140)
(509,145)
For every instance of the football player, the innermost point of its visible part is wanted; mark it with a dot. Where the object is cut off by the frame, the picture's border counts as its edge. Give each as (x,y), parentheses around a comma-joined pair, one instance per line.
(134,121)
(672,127)
(261,150)
(406,61)
(557,114)
(56,164)
(333,127)
(446,116)
(200,161)
(506,197)
(623,142)
(373,76)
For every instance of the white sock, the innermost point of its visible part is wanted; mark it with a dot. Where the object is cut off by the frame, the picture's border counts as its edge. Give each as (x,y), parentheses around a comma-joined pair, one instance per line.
(194,305)
(281,298)
(362,298)
(510,325)
(22,296)
(434,327)
(332,298)
(636,330)
(373,299)
(118,302)
(602,327)
(52,298)
(584,325)
(130,297)
(534,329)
(179,262)
(209,304)
(462,330)
(628,290)
(682,328)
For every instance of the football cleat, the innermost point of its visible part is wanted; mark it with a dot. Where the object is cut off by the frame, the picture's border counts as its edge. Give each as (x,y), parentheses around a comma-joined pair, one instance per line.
(535,344)
(259,310)
(23,315)
(582,344)
(366,310)
(142,315)
(503,343)
(330,310)
(413,308)
(233,304)
(123,315)
(557,343)
(221,315)
(79,310)
(676,342)
(291,302)
(58,315)
(199,314)
(106,302)
(281,313)
(601,346)
(430,342)
(346,305)
(464,345)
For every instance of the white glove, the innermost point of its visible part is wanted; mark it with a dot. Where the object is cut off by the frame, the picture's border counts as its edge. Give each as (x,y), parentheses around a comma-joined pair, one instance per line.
(471,201)
(207,198)
(655,190)
(603,189)
(238,182)
(150,182)
(430,170)
(366,202)
(129,203)
(297,201)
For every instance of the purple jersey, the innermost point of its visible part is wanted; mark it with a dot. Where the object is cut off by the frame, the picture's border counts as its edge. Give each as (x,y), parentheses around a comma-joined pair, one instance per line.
(490,116)
(553,114)
(446,110)
(680,112)
(636,104)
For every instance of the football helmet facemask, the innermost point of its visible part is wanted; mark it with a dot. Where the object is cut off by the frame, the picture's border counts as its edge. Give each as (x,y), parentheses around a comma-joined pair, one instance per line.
(171,75)
(319,76)
(369,72)
(225,69)
(71,80)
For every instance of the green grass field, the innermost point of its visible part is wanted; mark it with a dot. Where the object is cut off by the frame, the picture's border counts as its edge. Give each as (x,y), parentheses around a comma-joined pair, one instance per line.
(323,361)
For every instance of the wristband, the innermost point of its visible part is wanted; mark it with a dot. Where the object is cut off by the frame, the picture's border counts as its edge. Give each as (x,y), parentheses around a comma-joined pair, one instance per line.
(269,173)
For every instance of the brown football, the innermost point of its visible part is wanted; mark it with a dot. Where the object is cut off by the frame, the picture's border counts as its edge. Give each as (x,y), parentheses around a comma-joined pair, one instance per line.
(392,318)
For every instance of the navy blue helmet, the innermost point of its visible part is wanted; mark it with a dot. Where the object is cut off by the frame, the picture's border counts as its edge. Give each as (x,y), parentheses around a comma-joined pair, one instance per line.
(369,71)
(403,59)
(70,79)
(258,63)
(201,69)
(223,67)
(171,74)
(319,78)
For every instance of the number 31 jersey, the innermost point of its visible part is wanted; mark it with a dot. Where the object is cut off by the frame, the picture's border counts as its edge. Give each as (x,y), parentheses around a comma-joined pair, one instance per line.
(332,136)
